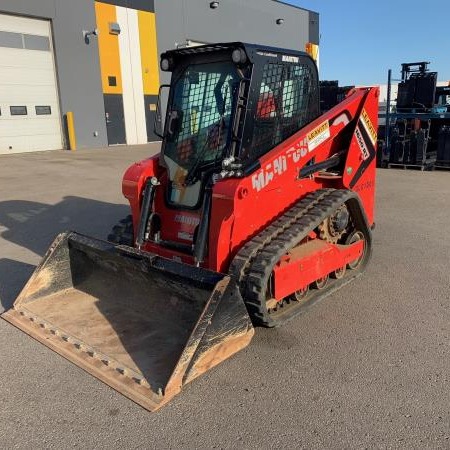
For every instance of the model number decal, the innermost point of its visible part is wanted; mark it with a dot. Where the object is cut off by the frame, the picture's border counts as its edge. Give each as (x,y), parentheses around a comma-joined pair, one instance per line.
(362,145)
(271,55)
(369,184)
(185,236)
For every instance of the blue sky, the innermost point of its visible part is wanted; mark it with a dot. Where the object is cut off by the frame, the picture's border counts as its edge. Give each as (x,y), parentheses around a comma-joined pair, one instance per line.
(361,40)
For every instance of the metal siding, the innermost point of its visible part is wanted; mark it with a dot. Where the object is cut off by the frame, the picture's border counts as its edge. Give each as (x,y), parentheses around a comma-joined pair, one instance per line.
(79,71)
(78,67)
(108,48)
(115,122)
(133,89)
(38,8)
(246,20)
(127,76)
(142,5)
(252,21)
(149,52)
(138,82)
(150,113)
(314,36)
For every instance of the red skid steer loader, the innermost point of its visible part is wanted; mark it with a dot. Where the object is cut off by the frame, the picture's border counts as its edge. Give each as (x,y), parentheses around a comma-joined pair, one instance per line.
(256,207)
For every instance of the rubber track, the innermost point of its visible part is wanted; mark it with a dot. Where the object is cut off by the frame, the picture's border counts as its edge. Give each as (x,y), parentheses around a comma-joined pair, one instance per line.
(254,263)
(241,263)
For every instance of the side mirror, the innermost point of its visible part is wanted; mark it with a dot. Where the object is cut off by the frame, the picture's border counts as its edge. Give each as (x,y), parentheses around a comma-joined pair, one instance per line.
(158,126)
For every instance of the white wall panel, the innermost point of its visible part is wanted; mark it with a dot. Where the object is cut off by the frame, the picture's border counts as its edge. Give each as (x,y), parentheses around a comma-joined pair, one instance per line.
(133,90)
(23,25)
(136,68)
(127,76)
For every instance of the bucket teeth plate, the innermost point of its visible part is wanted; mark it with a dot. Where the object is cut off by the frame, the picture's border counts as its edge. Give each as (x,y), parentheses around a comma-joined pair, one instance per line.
(142,324)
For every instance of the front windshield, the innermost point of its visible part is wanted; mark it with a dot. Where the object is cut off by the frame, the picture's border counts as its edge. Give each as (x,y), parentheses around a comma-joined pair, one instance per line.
(202,104)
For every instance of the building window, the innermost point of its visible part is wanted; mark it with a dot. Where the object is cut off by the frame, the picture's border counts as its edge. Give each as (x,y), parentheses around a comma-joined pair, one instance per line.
(112,81)
(33,42)
(10,40)
(18,110)
(24,41)
(43,110)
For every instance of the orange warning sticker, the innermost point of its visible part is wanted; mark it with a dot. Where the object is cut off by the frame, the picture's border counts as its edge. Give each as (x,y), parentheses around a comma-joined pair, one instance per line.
(318,135)
(369,126)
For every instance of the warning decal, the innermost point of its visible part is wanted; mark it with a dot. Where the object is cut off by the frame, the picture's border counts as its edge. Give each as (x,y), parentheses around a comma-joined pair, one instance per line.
(318,135)
(369,127)
(362,145)
(368,150)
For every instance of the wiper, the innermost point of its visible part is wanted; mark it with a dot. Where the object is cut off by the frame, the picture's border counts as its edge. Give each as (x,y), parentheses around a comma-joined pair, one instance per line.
(190,176)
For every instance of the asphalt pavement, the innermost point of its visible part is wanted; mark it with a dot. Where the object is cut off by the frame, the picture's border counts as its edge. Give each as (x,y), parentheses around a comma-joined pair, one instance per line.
(369,367)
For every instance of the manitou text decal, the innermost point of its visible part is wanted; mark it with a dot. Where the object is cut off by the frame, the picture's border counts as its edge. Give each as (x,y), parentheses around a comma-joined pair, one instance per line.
(266,176)
(298,151)
(187,220)
(291,59)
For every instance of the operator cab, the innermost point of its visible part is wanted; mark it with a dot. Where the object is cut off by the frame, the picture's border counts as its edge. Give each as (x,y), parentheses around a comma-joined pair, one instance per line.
(228,105)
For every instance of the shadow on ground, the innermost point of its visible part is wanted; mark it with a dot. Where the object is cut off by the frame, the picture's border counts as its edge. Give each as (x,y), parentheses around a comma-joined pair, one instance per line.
(33,226)
(13,276)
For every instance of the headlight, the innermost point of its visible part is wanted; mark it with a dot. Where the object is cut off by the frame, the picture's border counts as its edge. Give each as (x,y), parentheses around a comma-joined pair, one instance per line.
(166,64)
(238,56)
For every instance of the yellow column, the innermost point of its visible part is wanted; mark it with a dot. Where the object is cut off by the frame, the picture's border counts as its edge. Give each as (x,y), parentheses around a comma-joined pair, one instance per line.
(108,47)
(149,52)
(71,131)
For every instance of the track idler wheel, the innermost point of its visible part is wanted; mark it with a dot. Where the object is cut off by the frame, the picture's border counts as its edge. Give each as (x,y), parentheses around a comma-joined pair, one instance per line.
(355,237)
(321,283)
(339,273)
(301,294)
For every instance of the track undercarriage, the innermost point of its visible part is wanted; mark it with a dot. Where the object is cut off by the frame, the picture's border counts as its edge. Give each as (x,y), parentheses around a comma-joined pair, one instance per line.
(255,265)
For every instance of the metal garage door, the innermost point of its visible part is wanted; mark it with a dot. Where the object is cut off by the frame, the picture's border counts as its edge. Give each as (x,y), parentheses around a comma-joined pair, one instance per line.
(29,111)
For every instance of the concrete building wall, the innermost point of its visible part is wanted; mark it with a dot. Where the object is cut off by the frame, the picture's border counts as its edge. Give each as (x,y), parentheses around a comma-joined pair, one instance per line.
(252,21)
(77,63)
(177,22)
(79,70)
